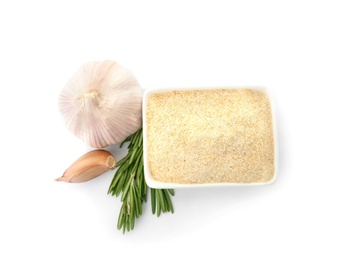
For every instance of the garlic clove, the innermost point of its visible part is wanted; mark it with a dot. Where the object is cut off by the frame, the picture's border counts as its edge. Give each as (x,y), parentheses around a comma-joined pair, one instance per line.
(89,166)
(102,103)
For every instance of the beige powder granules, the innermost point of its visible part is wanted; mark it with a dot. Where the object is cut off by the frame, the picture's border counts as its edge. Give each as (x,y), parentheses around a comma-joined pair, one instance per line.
(210,136)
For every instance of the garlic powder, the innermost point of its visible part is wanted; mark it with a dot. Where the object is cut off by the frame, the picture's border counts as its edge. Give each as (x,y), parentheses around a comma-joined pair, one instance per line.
(210,136)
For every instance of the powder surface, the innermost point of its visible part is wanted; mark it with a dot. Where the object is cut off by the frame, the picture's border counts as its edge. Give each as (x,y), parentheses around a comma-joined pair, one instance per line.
(210,136)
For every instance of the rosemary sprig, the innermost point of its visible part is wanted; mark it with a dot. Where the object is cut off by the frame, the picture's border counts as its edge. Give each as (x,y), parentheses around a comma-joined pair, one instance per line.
(129,182)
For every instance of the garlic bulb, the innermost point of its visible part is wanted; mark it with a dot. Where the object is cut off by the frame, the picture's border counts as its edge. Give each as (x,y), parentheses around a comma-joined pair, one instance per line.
(89,166)
(102,103)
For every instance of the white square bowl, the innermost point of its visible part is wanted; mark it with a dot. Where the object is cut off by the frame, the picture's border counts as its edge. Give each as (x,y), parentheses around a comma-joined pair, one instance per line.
(151,182)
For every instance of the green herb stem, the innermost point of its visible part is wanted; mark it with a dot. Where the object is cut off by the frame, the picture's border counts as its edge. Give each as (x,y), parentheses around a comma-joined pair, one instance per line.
(129,181)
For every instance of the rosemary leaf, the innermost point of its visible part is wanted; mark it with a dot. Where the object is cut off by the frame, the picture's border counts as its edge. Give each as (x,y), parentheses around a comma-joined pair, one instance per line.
(129,182)
(153,200)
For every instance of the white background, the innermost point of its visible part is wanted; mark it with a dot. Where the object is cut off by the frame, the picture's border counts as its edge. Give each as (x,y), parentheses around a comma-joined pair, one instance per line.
(300,50)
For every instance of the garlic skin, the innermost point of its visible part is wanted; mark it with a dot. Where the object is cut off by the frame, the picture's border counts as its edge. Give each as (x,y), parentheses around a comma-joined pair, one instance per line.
(102,103)
(89,166)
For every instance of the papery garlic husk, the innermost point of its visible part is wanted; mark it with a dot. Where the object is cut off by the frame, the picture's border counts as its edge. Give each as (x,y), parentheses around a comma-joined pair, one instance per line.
(89,166)
(102,103)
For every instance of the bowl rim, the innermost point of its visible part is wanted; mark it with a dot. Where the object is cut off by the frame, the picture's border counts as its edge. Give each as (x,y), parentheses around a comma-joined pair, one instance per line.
(152,183)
